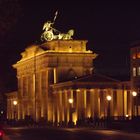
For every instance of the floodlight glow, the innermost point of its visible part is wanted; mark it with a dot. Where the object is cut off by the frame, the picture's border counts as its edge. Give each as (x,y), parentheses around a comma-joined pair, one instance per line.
(14,102)
(70,100)
(134,93)
(108,97)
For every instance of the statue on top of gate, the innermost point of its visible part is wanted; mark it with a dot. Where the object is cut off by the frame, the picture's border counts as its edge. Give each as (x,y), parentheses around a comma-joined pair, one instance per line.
(51,33)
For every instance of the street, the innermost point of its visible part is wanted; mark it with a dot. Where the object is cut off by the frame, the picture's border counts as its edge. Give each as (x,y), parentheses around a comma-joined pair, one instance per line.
(67,134)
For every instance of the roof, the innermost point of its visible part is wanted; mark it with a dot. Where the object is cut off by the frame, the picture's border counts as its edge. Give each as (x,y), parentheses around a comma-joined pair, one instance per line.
(96,78)
(89,81)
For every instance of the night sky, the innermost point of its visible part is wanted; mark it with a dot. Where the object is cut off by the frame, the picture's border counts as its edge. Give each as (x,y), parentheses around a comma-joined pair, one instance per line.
(109,26)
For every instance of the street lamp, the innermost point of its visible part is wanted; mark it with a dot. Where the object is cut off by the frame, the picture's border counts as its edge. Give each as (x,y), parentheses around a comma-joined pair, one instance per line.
(108,97)
(134,94)
(70,100)
(15,104)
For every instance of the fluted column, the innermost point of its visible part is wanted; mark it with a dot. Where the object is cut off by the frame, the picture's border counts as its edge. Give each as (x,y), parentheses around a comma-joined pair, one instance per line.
(54,107)
(66,116)
(34,94)
(120,102)
(125,102)
(92,102)
(55,75)
(20,90)
(85,101)
(102,103)
(63,105)
(44,95)
(9,111)
(46,92)
(77,103)
(110,91)
(60,105)
(115,111)
(71,106)
(96,103)
(129,103)
(57,107)
(38,96)
(88,109)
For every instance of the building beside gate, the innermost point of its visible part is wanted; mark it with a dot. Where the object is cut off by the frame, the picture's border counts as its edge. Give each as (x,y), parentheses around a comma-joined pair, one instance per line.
(135,73)
(57,82)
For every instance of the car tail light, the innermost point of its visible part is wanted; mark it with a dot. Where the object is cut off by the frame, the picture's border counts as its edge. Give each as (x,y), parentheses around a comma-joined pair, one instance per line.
(1,133)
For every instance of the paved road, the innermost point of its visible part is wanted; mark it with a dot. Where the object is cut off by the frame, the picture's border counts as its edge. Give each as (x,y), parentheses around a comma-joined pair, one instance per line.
(67,134)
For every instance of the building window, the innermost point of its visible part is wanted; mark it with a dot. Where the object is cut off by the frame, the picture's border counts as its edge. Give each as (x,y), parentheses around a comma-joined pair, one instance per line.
(138,55)
(134,71)
(138,71)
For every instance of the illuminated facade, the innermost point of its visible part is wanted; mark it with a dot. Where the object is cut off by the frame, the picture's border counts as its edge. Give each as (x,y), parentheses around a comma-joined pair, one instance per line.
(56,81)
(11,108)
(135,68)
(90,98)
(135,74)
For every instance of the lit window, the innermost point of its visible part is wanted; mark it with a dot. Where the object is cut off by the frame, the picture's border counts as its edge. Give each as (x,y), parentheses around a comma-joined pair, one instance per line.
(134,71)
(138,71)
(138,55)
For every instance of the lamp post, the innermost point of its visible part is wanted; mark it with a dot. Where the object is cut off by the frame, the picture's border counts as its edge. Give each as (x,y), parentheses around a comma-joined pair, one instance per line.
(70,100)
(108,97)
(15,104)
(134,103)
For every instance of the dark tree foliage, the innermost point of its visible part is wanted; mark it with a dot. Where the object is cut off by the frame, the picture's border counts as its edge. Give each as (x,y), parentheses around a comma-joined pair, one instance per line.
(10,11)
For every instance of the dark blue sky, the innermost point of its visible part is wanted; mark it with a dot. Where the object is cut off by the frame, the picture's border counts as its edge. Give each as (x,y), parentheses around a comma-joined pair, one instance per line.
(109,26)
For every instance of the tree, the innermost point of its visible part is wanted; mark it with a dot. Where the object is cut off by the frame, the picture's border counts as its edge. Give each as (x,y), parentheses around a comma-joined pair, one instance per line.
(10,11)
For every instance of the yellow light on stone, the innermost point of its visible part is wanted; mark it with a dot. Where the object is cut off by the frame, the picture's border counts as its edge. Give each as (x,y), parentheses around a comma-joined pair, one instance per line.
(70,49)
(74,118)
(78,90)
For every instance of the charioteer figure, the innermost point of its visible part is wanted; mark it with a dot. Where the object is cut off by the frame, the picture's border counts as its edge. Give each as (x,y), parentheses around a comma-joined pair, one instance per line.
(51,33)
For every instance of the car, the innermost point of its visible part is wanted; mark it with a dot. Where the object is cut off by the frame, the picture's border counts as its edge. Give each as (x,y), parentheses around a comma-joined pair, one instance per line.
(1,134)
